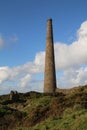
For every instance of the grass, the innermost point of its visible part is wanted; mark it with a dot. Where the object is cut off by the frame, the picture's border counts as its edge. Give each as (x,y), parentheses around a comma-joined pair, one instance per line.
(31,105)
(71,120)
(35,111)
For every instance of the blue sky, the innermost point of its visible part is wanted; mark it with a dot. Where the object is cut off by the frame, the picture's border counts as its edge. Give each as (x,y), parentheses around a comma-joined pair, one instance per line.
(23,39)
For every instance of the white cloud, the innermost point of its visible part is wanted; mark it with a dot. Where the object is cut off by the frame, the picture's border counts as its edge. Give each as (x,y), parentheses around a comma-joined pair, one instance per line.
(73,54)
(39,58)
(1,42)
(69,59)
(6,42)
(4,74)
(73,77)
(82,32)
(24,81)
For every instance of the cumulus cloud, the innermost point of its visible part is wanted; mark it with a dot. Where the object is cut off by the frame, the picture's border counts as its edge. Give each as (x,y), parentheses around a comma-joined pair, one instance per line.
(70,59)
(4,74)
(73,77)
(82,32)
(24,81)
(73,54)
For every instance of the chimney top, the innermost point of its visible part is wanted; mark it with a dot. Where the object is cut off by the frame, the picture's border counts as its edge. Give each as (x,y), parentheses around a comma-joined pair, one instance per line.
(50,19)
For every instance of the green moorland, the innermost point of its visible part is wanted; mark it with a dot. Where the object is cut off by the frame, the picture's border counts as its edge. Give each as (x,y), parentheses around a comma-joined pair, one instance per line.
(64,110)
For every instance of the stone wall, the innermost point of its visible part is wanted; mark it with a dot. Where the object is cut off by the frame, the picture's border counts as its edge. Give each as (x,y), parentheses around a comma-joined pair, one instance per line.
(14,96)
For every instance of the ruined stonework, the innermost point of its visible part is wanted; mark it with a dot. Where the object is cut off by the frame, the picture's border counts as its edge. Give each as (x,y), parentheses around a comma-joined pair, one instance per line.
(49,75)
(14,96)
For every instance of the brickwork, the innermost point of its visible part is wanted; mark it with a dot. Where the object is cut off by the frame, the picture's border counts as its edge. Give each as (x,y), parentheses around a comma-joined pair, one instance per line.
(49,75)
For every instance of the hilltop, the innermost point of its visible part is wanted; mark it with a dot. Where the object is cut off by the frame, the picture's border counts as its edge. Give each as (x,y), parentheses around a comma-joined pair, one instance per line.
(64,110)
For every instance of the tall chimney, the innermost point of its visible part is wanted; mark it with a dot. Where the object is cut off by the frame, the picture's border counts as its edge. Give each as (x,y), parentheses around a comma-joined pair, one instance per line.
(49,75)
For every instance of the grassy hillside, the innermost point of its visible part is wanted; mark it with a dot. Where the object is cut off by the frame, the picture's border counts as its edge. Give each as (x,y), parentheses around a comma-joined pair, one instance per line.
(64,110)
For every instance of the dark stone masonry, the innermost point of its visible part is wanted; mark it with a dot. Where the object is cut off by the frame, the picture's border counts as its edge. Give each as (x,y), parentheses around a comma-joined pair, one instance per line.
(14,96)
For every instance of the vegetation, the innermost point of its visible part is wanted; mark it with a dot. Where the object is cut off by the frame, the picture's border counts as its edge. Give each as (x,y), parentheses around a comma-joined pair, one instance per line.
(64,110)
